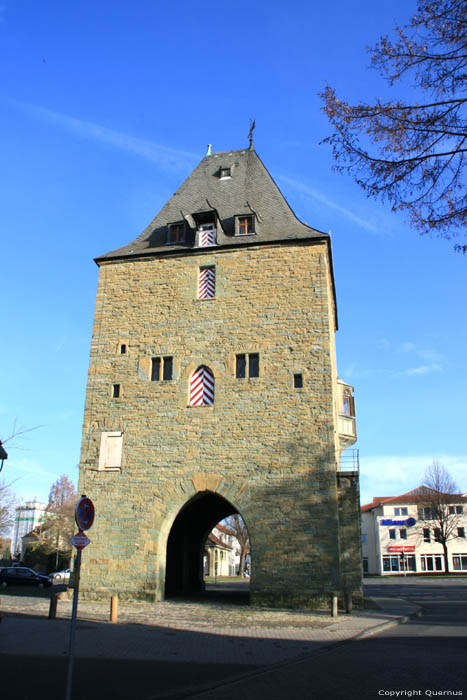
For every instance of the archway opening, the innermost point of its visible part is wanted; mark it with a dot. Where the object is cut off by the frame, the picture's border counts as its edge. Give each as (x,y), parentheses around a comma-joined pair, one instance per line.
(186,544)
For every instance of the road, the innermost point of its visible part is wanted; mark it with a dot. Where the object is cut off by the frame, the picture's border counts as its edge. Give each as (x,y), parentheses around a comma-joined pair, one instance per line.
(418,659)
(427,654)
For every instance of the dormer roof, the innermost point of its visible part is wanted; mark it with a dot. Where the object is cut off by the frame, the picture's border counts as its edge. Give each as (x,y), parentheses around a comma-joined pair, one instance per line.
(249,190)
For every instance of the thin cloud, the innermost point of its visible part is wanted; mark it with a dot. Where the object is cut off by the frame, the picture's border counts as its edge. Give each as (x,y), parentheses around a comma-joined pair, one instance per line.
(392,475)
(166,158)
(415,371)
(319,197)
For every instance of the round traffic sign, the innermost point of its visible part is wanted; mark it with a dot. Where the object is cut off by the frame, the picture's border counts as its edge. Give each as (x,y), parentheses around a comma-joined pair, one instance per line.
(84,513)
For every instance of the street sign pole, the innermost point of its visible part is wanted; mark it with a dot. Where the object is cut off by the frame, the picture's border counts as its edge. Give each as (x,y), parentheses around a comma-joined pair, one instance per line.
(74,612)
(84,517)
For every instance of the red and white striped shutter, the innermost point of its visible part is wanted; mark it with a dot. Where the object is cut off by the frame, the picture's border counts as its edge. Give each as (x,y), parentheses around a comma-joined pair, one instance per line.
(202,387)
(207,282)
(207,237)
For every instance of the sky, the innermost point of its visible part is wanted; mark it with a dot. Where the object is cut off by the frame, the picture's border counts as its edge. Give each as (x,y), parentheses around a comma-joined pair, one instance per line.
(105,108)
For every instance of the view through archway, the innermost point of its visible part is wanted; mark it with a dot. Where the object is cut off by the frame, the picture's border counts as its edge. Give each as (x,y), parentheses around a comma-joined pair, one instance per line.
(200,560)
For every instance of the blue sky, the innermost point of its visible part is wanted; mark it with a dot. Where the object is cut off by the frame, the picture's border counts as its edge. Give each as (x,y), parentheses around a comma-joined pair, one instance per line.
(106,107)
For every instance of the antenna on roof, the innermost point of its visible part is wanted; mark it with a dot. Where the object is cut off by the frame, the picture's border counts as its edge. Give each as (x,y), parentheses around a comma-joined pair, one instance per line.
(250,133)
(209,150)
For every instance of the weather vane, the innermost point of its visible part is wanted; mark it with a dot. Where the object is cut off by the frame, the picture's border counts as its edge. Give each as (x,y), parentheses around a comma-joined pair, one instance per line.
(250,133)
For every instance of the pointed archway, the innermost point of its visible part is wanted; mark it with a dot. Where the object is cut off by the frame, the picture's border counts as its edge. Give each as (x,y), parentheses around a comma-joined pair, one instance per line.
(185,544)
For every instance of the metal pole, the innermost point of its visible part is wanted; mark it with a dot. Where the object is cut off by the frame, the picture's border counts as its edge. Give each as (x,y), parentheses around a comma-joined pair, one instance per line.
(71,647)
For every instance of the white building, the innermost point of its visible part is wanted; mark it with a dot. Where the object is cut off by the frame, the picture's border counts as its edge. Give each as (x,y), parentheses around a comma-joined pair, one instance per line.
(400,535)
(28,516)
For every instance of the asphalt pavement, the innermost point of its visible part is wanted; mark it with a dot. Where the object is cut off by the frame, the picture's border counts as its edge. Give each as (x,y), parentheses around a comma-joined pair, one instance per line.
(175,649)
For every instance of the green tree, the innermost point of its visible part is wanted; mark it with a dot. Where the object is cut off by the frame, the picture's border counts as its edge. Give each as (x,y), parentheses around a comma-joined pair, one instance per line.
(413,153)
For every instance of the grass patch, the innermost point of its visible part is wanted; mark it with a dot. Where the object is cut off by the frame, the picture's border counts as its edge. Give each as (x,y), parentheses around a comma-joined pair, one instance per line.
(225,579)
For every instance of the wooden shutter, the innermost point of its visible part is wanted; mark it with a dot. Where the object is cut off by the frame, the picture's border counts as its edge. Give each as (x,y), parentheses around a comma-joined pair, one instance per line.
(202,387)
(110,453)
(207,282)
(207,237)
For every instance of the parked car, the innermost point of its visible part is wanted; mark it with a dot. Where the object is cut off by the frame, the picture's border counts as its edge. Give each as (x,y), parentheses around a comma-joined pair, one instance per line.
(61,575)
(20,575)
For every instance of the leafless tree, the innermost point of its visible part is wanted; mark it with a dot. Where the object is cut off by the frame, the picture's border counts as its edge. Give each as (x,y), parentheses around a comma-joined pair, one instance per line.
(236,524)
(442,505)
(8,502)
(413,153)
(59,526)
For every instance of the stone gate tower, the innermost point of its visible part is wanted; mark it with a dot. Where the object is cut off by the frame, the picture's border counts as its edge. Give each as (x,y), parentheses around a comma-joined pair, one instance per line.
(212,390)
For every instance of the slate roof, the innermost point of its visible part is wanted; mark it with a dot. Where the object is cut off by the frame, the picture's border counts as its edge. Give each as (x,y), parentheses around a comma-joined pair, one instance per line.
(249,190)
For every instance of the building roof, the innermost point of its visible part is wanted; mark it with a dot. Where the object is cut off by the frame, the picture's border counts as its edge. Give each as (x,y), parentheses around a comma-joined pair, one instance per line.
(213,541)
(250,190)
(225,530)
(419,495)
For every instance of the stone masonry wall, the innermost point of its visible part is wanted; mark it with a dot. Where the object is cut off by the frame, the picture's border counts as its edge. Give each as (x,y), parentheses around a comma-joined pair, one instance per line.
(266,447)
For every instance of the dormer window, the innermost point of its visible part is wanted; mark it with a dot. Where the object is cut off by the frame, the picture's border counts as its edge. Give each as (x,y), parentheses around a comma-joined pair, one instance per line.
(245,225)
(225,173)
(176,234)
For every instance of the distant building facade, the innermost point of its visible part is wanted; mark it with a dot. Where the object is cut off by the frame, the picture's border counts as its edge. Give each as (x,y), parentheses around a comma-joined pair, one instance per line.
(400,535)
(213,390)
(217,556)
(27,517)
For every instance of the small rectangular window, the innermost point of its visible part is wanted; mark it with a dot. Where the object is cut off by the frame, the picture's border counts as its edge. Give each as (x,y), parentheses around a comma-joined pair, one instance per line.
(298,381)
(245,225)
(168,368)
(225,172)
(400,511)
(437,534)
(176,233)
(253,365)
(123,349)
(392,534)
(456,510)
(461,532)
(161,368)
(116,391)
(247,365)
(240,366)
(403,534)
(426,535)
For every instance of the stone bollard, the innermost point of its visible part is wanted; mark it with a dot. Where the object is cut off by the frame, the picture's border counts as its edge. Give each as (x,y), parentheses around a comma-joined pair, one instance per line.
(348,602)
(114,608)
(53,606)
(334,604)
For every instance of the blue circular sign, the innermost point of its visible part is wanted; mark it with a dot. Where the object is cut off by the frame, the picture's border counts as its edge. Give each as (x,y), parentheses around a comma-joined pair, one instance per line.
(410,522)
(84,513)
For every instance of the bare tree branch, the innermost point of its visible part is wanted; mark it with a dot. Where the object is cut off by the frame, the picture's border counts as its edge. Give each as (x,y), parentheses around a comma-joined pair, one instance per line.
(412,155)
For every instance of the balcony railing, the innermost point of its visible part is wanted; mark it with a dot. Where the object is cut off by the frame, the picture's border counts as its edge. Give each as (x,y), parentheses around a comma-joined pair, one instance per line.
(349,461)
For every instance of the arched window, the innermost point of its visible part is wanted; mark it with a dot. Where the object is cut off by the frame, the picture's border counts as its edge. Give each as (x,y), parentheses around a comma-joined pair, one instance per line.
(207,282)
(202,387)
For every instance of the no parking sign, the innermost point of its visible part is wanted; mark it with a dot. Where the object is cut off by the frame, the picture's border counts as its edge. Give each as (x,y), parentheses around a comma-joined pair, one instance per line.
(84,513)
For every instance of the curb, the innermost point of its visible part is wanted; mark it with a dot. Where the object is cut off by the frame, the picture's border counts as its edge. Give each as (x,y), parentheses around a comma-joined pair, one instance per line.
(390,623)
